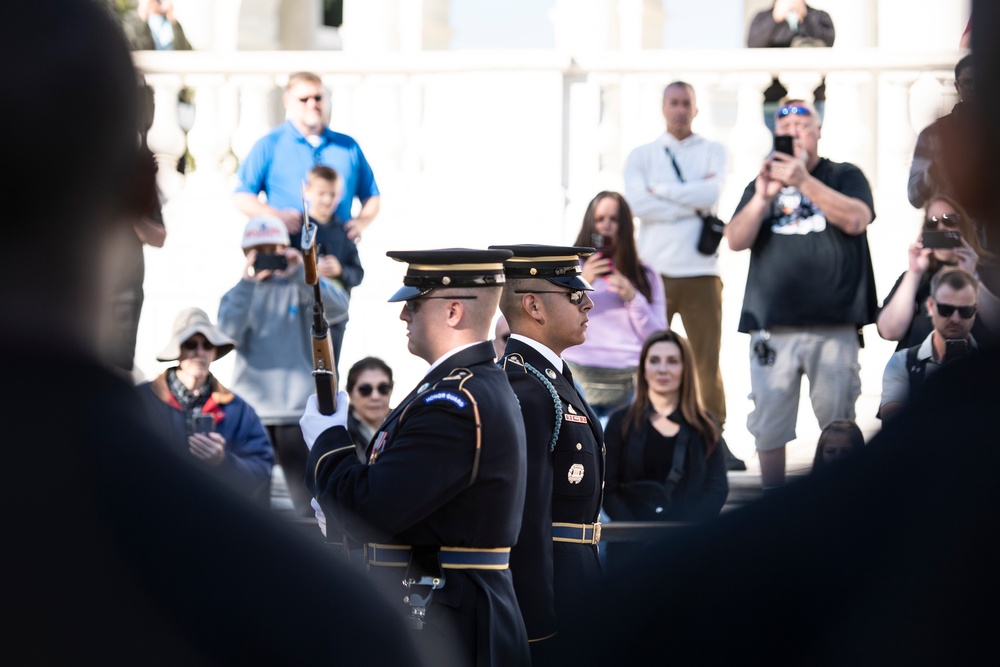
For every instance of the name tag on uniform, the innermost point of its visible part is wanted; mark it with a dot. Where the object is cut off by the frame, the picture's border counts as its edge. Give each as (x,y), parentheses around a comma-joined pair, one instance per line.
(579,419)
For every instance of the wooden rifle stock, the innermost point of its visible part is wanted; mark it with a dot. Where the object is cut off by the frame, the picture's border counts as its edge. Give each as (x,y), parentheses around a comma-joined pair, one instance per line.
(324,364)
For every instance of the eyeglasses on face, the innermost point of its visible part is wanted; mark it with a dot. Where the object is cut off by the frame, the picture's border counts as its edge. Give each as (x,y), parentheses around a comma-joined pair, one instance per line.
(194,344)
(575,296)
(413,304)
(384,388)
(315,98)
(793,110)
(945,310)
(948,220)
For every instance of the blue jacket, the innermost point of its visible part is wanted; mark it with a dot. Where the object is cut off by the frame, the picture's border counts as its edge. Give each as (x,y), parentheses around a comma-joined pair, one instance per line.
(249,457)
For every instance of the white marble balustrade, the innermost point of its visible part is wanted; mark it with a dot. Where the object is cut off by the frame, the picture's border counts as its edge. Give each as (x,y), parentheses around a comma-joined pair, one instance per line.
(474,148)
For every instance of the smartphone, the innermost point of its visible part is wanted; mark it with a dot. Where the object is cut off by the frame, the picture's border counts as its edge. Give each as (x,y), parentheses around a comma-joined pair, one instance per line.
(941,238)
(955,349)
(784,144)
(600,244)
(203,424)
(269,262)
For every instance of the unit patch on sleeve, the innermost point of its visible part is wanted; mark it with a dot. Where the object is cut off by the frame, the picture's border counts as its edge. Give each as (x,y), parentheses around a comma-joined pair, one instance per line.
(445,396)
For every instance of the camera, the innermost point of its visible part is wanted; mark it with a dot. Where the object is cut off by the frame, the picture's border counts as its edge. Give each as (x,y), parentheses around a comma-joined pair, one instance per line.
(202,424)
(784,144)
(955,349)
(599,241)
(270,262)
(941,238)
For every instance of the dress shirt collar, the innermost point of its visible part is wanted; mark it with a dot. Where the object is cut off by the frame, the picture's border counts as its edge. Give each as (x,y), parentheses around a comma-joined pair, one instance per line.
(551,356)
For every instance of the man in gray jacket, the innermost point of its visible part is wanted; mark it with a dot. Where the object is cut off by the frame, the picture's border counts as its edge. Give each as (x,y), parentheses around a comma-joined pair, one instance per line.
(269,314)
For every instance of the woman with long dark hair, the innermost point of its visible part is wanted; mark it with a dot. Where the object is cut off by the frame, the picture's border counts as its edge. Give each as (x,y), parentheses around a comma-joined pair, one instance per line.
(629,304)
(903,316)
(665,453)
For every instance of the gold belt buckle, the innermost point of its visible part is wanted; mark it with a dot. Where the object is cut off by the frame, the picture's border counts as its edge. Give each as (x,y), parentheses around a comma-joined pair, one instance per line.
(597,533)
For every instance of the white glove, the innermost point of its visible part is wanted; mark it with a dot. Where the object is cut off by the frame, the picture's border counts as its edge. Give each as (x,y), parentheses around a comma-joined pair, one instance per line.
(313,423)
(320,517)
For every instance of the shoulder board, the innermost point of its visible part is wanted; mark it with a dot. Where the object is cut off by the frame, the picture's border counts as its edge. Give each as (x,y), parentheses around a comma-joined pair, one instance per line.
(457,374)
(515,360)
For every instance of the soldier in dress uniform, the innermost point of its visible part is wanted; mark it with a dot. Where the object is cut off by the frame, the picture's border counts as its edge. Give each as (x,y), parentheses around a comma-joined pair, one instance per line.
(555,562)
(439,503)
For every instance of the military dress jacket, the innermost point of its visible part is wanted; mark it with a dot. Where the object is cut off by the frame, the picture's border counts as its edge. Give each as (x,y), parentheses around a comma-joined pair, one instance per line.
(446,469)
(565,485)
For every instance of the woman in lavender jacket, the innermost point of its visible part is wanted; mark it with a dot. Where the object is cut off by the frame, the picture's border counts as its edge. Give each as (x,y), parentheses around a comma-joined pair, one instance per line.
(629,305)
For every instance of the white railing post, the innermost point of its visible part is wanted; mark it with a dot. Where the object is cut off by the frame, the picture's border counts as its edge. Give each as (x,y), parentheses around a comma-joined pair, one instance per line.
(166,138)
(208,139)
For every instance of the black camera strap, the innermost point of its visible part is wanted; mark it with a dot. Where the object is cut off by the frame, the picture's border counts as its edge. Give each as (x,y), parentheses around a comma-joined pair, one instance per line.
(677,169)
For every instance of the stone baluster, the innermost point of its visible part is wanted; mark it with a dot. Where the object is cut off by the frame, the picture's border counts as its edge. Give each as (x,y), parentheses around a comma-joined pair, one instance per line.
(254,112)
(166,138)
(849,121)
(208,139)
(750,141)
(581,160)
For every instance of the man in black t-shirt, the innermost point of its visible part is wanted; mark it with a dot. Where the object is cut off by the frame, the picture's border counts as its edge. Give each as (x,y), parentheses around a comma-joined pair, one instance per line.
(809,288)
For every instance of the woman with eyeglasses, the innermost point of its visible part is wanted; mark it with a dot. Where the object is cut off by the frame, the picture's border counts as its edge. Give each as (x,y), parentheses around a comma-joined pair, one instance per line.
(629,304)
(369,386)
(903,316)
(665,453)
(203,419)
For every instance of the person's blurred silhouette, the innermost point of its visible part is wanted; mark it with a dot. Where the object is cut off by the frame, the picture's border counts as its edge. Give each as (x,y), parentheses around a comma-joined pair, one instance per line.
(888,557)
(117,548)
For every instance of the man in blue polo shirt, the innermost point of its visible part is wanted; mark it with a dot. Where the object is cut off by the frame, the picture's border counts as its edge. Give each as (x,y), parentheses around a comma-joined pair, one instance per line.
(278,163)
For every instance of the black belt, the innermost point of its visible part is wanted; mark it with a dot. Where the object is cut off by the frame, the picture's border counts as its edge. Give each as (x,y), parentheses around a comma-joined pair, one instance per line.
(452,558)
(577,533)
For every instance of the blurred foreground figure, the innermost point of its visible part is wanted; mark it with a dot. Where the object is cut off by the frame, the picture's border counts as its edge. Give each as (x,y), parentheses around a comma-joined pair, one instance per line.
(119,549)
(888,557)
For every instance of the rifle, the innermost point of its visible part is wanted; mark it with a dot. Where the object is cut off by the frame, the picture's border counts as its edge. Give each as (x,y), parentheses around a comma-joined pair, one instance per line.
(324,365)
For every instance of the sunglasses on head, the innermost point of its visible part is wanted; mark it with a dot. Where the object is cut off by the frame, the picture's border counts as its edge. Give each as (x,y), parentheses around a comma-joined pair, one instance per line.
(948,220)
(792,109)
(384,388)
(193,344)
(575,296)
(314,98)
(945,310)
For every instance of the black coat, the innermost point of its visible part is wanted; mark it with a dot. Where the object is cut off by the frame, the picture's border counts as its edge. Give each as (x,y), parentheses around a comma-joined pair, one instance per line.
(120,550)
(630,496)
(886,558)
(552,577)
(431,485)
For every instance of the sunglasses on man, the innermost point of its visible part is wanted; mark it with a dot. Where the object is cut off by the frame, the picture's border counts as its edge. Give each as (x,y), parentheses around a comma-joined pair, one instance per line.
(945,310)
(191,345)
(792,110)
(413,304)
(575,297)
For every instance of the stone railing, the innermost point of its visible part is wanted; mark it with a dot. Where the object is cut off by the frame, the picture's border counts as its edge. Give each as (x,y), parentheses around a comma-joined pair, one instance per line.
(474,148)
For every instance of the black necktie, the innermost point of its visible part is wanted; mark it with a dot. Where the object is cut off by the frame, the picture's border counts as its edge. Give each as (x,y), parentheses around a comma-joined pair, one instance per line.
(568,374)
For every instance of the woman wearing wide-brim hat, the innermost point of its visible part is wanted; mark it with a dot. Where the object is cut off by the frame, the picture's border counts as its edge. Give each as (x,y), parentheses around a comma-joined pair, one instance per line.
(199,416)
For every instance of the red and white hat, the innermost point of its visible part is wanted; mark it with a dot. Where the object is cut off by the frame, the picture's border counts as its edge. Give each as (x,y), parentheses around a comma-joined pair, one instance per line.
(264,230)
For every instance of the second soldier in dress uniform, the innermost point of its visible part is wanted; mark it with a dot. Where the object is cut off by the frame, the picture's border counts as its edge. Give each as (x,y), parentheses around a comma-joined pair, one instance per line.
(555,562)
(440,501)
